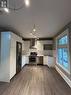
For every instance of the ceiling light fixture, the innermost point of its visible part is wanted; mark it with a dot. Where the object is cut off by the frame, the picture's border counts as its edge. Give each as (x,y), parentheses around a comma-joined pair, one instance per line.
(15,5)
(3,6)
(34,28)
(27,3)
(6,10)
(33,32)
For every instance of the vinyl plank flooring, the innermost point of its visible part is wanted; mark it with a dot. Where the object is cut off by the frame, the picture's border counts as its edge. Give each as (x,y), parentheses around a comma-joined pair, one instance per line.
(36,80)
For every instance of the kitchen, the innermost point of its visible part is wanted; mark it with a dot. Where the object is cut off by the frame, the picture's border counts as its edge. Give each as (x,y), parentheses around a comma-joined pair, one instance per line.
(42,49)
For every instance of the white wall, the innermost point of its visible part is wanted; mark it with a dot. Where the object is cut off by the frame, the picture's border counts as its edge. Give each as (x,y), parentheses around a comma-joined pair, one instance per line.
(14,38)
(26,48)
(39,46)
(8,55)
(5,56)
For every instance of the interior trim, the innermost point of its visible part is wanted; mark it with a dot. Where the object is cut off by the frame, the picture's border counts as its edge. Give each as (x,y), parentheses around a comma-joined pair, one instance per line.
(39,39)
(68,81)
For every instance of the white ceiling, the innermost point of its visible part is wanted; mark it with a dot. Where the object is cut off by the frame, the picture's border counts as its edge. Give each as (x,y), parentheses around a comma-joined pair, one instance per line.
(49,16)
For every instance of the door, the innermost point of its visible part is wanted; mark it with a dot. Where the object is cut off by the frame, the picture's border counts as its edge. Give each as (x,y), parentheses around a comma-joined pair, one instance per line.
(18,56)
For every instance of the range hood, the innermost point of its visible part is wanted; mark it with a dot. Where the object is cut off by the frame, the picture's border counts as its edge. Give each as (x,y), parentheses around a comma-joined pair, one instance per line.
(33,43)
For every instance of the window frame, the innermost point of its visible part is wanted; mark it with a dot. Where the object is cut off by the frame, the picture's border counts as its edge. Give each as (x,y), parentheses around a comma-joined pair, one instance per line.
(66,32)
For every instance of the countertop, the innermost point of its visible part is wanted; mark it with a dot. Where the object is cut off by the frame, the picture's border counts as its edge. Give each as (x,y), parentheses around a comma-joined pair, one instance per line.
(38,55)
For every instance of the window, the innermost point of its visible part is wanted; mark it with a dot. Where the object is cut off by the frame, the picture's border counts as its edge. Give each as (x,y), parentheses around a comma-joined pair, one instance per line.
(62,52)
(63,40)
(60,55)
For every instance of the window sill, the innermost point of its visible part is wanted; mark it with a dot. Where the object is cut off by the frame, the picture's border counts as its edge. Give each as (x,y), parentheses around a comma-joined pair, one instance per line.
(67,71)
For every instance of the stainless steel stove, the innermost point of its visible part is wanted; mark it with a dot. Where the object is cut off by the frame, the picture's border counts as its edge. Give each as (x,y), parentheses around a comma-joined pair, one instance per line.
(33,57)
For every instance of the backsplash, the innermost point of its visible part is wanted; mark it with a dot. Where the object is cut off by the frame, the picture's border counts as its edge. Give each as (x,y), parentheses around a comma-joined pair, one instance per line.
(39,48)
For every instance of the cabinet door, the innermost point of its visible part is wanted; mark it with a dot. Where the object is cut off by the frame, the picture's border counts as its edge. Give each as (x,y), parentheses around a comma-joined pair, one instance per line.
(40,60)
(45,60)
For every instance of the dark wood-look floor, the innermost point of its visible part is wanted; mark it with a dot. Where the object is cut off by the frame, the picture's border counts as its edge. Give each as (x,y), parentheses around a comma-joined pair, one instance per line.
(36,80)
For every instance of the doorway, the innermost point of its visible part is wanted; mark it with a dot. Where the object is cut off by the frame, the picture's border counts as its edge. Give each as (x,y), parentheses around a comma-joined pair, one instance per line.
(18,56)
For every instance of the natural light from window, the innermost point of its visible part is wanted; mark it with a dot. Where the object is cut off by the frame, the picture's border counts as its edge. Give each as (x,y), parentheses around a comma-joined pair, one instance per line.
(62,52)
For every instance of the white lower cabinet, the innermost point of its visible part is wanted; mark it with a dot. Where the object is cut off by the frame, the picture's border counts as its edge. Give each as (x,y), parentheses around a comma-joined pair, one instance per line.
(25,60)
(48,60)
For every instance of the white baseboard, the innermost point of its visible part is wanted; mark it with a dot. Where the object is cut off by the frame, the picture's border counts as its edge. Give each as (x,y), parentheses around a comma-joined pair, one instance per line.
(68,81)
